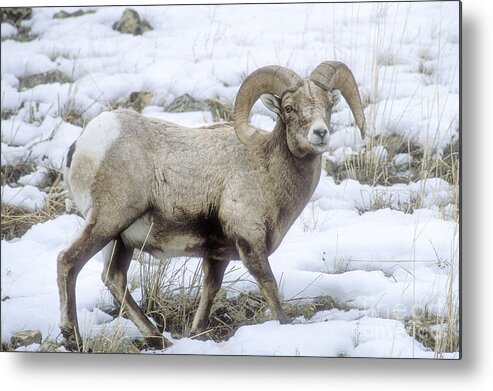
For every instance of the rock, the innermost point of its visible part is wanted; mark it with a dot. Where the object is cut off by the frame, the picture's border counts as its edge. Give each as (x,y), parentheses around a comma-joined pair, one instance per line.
(65,14)
(15,15)
(75,117)
(49,347)
(220,109)
(185,103)
(49,77)
(26,337)
(130,23)
(137,100)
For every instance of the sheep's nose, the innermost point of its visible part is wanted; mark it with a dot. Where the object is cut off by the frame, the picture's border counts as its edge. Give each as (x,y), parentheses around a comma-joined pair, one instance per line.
(321,132)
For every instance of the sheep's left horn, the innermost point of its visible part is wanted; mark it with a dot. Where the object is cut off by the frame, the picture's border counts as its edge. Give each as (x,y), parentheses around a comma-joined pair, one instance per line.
(269,79)
(335,75)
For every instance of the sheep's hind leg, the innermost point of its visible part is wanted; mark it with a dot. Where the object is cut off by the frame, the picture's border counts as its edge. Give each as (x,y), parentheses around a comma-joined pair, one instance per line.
(117,258)
(103,224)
(213,277)
(70,261)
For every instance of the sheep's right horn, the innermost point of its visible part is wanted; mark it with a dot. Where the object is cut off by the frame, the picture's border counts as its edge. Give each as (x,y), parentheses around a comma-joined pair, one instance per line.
(270,79)
(335,75)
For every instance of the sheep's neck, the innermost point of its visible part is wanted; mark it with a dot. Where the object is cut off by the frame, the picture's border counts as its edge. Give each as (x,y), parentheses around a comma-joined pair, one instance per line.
(299,176)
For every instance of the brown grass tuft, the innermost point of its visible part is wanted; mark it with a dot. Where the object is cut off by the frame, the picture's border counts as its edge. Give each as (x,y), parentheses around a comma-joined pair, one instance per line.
(16,221)
(173,306)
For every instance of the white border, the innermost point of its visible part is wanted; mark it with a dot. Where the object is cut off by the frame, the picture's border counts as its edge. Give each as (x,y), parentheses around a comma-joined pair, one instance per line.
(87,372)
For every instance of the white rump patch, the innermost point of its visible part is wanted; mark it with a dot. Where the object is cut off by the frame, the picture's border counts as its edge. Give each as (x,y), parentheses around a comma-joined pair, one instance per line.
(90,149)
(98,136)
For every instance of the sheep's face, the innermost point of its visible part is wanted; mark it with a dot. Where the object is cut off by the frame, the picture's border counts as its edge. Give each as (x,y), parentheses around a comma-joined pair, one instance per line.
(306,113)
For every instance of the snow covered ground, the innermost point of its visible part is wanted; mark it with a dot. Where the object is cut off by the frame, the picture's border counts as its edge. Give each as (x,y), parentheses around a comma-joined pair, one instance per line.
(388,266)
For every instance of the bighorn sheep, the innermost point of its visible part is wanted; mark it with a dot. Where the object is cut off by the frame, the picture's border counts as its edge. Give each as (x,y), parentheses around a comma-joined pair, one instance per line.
(221,192)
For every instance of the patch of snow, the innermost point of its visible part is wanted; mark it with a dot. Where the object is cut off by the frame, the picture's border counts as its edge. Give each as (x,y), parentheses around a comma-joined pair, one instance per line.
(35,178)
(26,197)
(402,159)
(378,153)
(12,156)
(7,30)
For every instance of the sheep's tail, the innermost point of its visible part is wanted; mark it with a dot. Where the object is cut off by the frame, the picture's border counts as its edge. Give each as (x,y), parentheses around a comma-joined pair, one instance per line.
(68,162)
(70,153)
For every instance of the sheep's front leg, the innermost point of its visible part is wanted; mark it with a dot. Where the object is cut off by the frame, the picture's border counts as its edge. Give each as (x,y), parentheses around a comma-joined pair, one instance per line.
(254,257)
(213,277)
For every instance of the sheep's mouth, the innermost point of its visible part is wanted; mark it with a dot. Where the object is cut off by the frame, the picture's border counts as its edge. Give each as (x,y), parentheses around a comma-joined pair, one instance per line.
(320,147)
(318,141)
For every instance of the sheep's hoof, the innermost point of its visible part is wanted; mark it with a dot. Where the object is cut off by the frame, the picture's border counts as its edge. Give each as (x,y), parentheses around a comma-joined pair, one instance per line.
(157,342)
(71,344)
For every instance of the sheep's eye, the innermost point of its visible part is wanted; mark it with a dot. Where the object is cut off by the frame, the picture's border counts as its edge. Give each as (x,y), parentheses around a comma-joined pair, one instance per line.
(288,109)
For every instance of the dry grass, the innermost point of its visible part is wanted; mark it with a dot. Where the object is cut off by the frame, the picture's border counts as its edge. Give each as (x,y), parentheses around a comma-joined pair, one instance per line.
(375,169)
(113,340)
(168,295)
(11,174)
(7,114)
(171,298)
(435,333)
(17,221)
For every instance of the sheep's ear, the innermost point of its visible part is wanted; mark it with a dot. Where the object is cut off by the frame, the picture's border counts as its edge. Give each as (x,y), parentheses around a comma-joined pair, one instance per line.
(336,97)
(272,102)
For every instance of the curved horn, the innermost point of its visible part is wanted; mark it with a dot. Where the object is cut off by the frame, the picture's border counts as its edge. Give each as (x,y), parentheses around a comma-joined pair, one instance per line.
(269,79)
(335,75)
